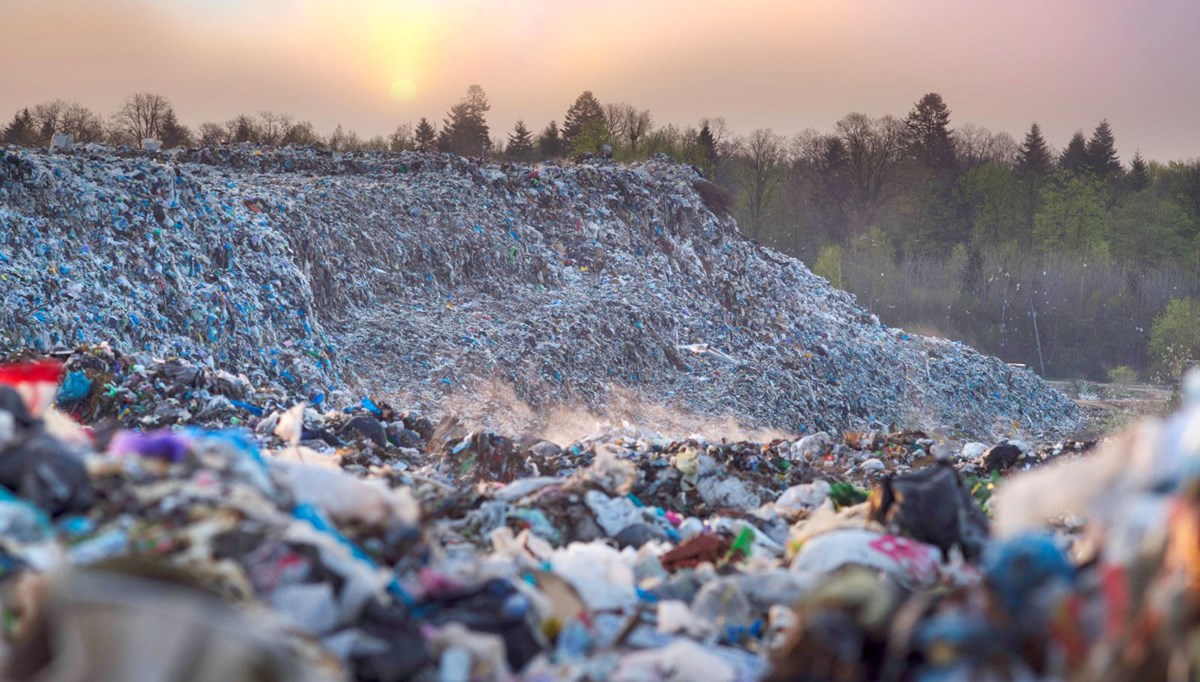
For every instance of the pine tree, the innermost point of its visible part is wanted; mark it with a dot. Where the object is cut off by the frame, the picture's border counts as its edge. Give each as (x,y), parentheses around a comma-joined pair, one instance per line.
(708,150)
(1139,173)
(1033,159)
(465,130)
(929,134)
(550,142)
(1074,158)
(242,129)
(520,143)
(1102,152)
(425,136)
(20,130)
(174,134)
(585,110)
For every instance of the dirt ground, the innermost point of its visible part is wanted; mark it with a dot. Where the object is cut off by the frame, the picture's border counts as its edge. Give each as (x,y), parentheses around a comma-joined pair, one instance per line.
(1112,407)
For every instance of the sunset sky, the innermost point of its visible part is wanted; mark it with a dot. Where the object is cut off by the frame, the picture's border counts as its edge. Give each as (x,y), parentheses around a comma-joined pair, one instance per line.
(370,64)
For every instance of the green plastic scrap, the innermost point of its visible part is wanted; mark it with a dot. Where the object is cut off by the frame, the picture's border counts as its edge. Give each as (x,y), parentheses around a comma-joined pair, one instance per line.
(846,494)
(982,488)
(743,544)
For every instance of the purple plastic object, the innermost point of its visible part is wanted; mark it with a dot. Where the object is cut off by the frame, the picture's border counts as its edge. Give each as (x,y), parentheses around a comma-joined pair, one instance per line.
(164,444)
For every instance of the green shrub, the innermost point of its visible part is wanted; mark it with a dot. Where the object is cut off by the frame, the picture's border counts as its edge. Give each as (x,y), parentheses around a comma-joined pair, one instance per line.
(829,265)
(1175,340)
(1122,375)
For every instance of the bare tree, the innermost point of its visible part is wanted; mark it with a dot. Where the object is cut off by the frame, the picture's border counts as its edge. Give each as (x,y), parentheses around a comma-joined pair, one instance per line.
(638,126)
(875,153)
(401,138)
(689,148)
(821,163)
(665,140)
(1005,148)
(379,143)
(762,162)
(66,116)
(302,134)
(344,140)
(141,116)
(211,134)
(273,127)
(617,115)
(628,124)
(47,117)
(975,145)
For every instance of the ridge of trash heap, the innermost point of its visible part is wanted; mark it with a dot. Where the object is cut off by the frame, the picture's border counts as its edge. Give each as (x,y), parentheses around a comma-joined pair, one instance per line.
(426,277)
(180,531)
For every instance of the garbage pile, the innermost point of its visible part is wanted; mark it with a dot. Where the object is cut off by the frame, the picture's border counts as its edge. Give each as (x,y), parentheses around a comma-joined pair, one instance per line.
(272,539)
(425,278)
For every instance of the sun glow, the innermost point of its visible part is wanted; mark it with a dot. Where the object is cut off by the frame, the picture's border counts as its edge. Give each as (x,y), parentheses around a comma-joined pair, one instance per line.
(402,40)
(403,90)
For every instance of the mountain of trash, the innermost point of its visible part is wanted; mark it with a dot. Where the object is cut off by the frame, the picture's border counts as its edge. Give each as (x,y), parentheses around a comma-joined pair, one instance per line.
(427,278)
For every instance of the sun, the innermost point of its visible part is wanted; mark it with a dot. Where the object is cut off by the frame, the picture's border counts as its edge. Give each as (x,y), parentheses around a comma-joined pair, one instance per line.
(403,90)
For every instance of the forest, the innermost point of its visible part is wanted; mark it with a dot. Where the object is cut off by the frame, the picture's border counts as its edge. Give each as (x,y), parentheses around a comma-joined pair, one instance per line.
(1070,260)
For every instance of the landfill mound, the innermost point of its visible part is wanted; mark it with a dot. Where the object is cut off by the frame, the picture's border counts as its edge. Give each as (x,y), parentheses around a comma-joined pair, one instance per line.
(429,278)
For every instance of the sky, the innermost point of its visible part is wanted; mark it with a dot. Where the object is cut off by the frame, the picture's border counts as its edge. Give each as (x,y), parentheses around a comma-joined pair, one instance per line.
(788,65)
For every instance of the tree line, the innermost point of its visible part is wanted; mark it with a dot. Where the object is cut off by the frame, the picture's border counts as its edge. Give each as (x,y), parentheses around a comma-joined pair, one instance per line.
(587,128)
(1069,261)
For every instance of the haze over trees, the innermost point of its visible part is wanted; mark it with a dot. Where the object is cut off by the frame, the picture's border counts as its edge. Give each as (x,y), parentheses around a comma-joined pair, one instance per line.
(938,225)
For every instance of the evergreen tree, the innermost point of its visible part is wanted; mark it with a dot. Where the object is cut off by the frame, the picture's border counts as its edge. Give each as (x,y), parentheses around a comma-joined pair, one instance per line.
(425,135)
(929,134)
(708,150)
(1074,158)
(20,130)
(520,143)
(1102,152)
(242,129)
(1034,165)
(1139,173)
(174,134)
(585,109)
(831,164)
(465,130)
(550,142)
(1033,159)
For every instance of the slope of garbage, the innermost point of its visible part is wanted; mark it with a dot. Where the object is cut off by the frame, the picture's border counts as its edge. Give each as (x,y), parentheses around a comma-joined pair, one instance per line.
(206,528)
(429,279)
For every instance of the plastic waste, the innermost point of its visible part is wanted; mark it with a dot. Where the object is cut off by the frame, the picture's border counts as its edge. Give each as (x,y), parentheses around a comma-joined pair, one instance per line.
(39,468)
(908,562)
(932,505)
(678,661)
(147,622)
